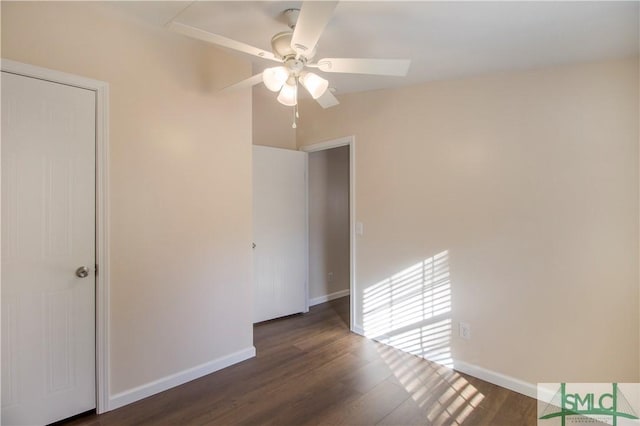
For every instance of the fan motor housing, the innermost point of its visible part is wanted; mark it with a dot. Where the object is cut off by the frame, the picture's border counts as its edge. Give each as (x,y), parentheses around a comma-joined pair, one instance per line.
(281,46)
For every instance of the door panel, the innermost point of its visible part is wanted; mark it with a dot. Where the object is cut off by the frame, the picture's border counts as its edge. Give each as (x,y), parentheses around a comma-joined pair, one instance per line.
(280,232)
(48,231)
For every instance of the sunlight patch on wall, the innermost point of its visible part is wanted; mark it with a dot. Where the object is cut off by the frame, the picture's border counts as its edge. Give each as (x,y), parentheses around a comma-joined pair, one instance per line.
(408,310)
(432,342)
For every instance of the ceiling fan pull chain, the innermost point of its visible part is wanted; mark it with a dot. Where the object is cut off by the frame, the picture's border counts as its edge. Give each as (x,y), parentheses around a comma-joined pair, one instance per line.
(295,116)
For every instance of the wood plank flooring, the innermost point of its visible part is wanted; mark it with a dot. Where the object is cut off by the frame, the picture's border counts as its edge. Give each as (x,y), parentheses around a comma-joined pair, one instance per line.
(310,370)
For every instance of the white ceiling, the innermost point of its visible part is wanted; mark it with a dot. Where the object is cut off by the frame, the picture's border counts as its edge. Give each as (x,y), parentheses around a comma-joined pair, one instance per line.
(443,39)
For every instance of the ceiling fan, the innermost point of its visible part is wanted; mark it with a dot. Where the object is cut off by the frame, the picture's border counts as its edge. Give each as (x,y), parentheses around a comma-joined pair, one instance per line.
(295,50)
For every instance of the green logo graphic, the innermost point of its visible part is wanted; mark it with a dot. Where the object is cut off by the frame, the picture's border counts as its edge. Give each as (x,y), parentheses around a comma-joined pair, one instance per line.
(593,405)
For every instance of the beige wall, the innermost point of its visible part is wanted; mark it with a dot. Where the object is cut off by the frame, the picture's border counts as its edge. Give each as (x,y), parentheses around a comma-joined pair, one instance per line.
(180,179)
(272,120)
(328,221)
(530,181)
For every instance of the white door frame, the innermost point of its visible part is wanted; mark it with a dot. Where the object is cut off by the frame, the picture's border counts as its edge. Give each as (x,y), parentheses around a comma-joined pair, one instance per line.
(349,141)
(101,90)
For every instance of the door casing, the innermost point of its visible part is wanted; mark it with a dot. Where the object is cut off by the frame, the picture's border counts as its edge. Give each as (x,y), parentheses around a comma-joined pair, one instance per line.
(101,90)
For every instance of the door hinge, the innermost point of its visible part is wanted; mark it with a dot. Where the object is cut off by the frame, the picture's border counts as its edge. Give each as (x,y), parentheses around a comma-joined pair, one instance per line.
(96,269)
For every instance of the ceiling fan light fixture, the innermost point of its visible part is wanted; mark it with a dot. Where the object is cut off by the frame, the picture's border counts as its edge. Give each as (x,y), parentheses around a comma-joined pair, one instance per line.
(315,85)
(289,94)
(274,78)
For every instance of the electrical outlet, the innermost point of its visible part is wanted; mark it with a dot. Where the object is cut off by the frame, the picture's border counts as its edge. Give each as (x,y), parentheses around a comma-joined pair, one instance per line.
(464,330)
(330,277)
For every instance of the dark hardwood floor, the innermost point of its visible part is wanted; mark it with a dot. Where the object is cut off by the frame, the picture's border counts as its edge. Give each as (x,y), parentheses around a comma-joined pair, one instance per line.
(310,369)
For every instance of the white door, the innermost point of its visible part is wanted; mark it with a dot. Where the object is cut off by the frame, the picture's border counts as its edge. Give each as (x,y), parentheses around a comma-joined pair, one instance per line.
(48,232)
(279,232)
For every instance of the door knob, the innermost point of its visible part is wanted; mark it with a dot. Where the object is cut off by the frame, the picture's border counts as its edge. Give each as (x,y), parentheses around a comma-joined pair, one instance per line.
(82,272)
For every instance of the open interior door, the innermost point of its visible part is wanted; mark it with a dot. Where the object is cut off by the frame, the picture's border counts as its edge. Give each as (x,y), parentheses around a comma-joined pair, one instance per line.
(280,232)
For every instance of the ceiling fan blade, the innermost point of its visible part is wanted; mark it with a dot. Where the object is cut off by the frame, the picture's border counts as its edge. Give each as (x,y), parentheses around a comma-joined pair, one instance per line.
(199,34)
(397,67)
(313,18)
(327,100)
(249,82)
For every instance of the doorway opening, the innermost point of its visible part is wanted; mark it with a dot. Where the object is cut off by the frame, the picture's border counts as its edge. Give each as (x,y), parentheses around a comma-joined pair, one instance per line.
(331,223)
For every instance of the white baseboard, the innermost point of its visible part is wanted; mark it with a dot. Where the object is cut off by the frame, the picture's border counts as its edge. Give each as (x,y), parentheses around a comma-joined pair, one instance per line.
(173,380)
(496,378)
(326,298)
